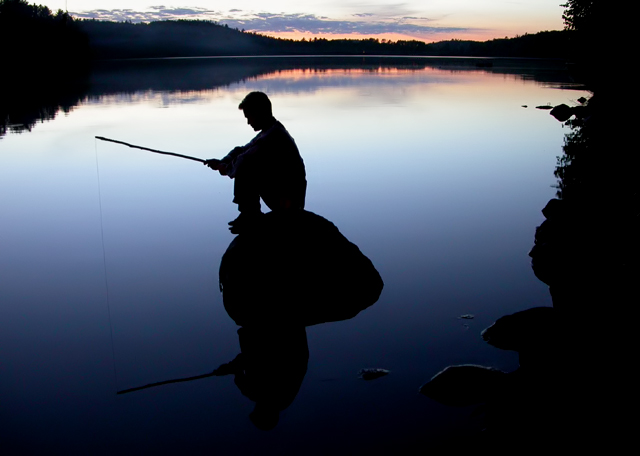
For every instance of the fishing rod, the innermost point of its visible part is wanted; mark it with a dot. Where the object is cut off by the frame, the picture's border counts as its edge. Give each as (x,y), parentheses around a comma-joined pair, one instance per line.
(216,372)
(167,382)
(224,369)
(101,138)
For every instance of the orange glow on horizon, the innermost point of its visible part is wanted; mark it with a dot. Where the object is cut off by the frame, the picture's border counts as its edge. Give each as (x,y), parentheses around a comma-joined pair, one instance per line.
(302,73)
(477,35)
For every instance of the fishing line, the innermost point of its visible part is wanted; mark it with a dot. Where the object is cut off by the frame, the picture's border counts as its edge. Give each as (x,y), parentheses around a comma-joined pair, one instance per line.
(104,263)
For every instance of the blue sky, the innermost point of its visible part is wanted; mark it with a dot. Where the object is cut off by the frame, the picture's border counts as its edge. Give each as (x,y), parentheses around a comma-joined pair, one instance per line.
(427,20)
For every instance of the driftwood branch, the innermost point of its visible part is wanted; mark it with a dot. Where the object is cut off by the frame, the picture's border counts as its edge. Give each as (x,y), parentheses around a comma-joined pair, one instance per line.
(101,138)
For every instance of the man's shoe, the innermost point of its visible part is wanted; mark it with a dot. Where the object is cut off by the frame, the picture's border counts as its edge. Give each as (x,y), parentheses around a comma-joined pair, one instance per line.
(243,221)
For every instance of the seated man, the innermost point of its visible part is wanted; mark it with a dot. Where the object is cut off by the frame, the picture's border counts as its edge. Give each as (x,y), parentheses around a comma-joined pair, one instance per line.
(268,167)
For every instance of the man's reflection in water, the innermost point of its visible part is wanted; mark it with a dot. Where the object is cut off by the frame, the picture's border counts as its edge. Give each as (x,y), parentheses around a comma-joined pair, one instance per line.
(269,370)
(293,270)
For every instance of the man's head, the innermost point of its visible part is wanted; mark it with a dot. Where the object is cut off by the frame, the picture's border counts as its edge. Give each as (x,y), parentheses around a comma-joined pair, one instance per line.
(257,109)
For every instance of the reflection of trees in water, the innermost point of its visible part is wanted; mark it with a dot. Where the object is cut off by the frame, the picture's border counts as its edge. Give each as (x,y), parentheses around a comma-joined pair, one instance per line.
(571,386)
(43,64)
(27,101)
(36,95)
(578,161)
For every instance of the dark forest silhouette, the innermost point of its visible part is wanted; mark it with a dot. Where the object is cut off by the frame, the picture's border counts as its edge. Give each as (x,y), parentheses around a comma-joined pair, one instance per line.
(58,39)
(191,38)
(37,37)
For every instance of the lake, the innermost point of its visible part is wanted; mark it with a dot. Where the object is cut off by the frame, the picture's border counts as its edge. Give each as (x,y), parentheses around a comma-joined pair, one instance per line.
(437,169)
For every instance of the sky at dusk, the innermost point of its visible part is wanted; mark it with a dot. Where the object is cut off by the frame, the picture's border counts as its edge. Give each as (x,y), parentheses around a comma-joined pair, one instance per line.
(426,20)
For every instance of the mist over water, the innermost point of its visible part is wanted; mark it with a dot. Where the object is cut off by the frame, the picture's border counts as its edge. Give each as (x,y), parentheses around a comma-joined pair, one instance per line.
(110,255)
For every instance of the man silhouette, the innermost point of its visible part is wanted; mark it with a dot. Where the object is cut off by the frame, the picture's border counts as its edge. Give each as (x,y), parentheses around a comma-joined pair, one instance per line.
(268,167)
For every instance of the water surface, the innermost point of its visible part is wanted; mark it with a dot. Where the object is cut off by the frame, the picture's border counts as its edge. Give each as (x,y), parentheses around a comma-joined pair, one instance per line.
(110,255)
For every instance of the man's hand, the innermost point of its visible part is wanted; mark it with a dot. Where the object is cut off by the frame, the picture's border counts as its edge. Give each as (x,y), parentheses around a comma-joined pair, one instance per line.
(223,169)
(218,165)
(214,164)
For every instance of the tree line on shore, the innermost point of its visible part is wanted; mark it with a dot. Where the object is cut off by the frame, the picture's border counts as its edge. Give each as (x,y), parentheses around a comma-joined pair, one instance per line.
(34,35)
(40,35)
(190,38)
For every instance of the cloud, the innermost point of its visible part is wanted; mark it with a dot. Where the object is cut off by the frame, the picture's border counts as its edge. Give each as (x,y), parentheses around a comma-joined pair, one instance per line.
(309,23)
(156,13)
(362,24)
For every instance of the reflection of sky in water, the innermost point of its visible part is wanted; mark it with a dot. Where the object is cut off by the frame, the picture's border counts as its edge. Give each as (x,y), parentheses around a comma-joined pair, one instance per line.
(438,177)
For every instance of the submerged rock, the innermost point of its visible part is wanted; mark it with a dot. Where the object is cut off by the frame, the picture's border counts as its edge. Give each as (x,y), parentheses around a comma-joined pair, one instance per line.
(464,385)
(372,374)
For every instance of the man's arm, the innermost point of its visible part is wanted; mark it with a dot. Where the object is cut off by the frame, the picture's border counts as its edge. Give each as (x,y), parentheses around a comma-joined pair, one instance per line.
(225,165)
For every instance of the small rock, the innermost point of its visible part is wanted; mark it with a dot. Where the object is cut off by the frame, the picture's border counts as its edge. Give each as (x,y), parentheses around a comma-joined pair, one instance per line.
(562,112)
(372,374)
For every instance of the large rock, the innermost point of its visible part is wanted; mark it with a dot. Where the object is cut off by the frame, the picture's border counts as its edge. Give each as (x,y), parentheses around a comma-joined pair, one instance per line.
(296,268)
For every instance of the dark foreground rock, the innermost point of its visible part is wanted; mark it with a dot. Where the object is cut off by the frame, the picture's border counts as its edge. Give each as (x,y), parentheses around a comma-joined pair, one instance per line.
(296,268)
(527,408)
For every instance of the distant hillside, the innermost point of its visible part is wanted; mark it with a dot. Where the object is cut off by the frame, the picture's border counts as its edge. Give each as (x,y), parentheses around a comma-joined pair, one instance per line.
(554,44)
(109,40)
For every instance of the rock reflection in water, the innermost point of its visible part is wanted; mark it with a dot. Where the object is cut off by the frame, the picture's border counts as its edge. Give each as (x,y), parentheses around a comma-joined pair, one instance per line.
(527,406)
(293,270)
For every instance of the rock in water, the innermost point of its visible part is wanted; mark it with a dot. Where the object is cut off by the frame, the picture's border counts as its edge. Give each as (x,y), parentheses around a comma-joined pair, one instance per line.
(296,268)
(522,330)
(562,112)
(372,374)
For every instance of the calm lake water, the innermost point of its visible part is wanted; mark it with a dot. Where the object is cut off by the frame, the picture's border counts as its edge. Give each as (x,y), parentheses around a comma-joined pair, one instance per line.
(436,169)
